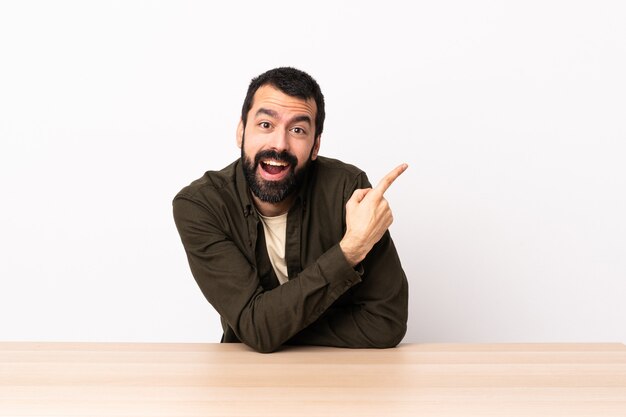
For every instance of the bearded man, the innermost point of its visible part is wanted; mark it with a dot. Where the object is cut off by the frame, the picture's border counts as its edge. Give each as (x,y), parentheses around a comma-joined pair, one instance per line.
(288,246)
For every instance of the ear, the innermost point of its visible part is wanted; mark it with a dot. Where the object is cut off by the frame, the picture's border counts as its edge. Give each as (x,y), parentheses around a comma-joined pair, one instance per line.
(316,148)
(240,134)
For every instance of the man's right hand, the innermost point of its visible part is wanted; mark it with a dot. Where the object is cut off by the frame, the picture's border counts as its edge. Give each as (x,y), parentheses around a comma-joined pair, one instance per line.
(368,216)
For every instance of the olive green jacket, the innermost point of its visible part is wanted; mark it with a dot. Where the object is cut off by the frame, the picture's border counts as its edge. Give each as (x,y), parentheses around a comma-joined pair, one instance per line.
(325,301)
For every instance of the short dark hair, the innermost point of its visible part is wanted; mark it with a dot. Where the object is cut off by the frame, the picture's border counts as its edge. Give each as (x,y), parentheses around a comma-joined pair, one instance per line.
(292,82)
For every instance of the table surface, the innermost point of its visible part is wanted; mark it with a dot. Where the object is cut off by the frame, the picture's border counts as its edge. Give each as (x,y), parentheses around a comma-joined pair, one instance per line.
(148,379)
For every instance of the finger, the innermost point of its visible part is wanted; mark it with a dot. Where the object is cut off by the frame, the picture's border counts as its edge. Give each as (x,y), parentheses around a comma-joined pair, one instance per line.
(388,179)
(358,195)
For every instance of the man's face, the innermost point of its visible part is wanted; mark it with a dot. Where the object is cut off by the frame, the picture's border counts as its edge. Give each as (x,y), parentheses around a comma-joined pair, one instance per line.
(277,143)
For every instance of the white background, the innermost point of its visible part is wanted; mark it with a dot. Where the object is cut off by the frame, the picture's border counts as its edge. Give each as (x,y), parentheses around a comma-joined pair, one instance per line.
(509,222)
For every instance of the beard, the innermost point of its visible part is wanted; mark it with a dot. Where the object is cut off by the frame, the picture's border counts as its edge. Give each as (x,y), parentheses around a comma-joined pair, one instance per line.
(273,191)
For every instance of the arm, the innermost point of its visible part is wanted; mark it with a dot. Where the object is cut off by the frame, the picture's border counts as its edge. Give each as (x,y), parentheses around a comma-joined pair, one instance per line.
(262,319)
(377,313)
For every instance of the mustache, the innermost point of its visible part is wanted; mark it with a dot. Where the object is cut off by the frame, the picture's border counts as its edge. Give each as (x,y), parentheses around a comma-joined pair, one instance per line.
(283,156)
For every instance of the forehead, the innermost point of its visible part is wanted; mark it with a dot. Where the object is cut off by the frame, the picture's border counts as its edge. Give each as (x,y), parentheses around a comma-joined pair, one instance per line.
(271,98)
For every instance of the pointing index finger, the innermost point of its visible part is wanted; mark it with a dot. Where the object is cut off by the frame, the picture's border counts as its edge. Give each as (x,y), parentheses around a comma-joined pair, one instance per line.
(388,179)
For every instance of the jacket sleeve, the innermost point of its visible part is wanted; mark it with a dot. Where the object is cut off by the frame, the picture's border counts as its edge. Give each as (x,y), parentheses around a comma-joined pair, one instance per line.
(262,319)
(377,315)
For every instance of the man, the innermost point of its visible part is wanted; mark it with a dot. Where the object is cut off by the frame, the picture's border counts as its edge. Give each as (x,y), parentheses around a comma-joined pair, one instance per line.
(290,247)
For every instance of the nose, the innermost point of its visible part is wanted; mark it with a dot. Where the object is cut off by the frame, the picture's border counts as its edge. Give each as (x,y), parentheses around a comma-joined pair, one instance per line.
(279,140)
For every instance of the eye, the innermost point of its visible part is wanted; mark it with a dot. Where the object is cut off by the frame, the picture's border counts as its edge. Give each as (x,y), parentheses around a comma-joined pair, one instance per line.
(298,131)
(265,125)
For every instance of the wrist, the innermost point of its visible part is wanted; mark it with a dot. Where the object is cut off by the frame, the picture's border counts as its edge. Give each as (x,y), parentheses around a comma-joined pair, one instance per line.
(353,253)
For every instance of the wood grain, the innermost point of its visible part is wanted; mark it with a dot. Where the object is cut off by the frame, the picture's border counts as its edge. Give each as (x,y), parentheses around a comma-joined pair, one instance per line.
(148,379)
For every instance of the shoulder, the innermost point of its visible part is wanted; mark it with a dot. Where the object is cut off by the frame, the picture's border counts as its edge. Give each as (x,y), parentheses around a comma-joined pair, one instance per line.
(210,185)
(329,167)
(334,171)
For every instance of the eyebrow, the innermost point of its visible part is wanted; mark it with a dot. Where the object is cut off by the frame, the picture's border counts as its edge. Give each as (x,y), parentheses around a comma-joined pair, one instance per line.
(268,112)
(303,118)
(274,114)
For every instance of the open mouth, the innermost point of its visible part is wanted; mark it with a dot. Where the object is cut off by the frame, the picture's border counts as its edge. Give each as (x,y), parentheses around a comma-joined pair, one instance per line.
(274,167)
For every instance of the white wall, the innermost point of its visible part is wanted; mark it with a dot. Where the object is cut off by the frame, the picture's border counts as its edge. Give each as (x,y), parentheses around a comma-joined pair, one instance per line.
(510,221)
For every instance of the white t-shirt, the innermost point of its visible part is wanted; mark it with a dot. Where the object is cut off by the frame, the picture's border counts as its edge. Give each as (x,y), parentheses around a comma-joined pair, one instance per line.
(275,236)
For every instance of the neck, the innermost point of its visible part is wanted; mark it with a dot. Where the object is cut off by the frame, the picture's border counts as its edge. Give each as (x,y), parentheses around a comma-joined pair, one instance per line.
(273,209)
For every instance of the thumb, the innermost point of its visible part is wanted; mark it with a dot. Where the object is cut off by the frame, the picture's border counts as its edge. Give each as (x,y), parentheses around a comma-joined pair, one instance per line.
(358,195)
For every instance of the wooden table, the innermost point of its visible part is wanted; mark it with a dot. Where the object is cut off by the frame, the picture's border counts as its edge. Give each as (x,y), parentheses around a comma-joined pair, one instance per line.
(113,379)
